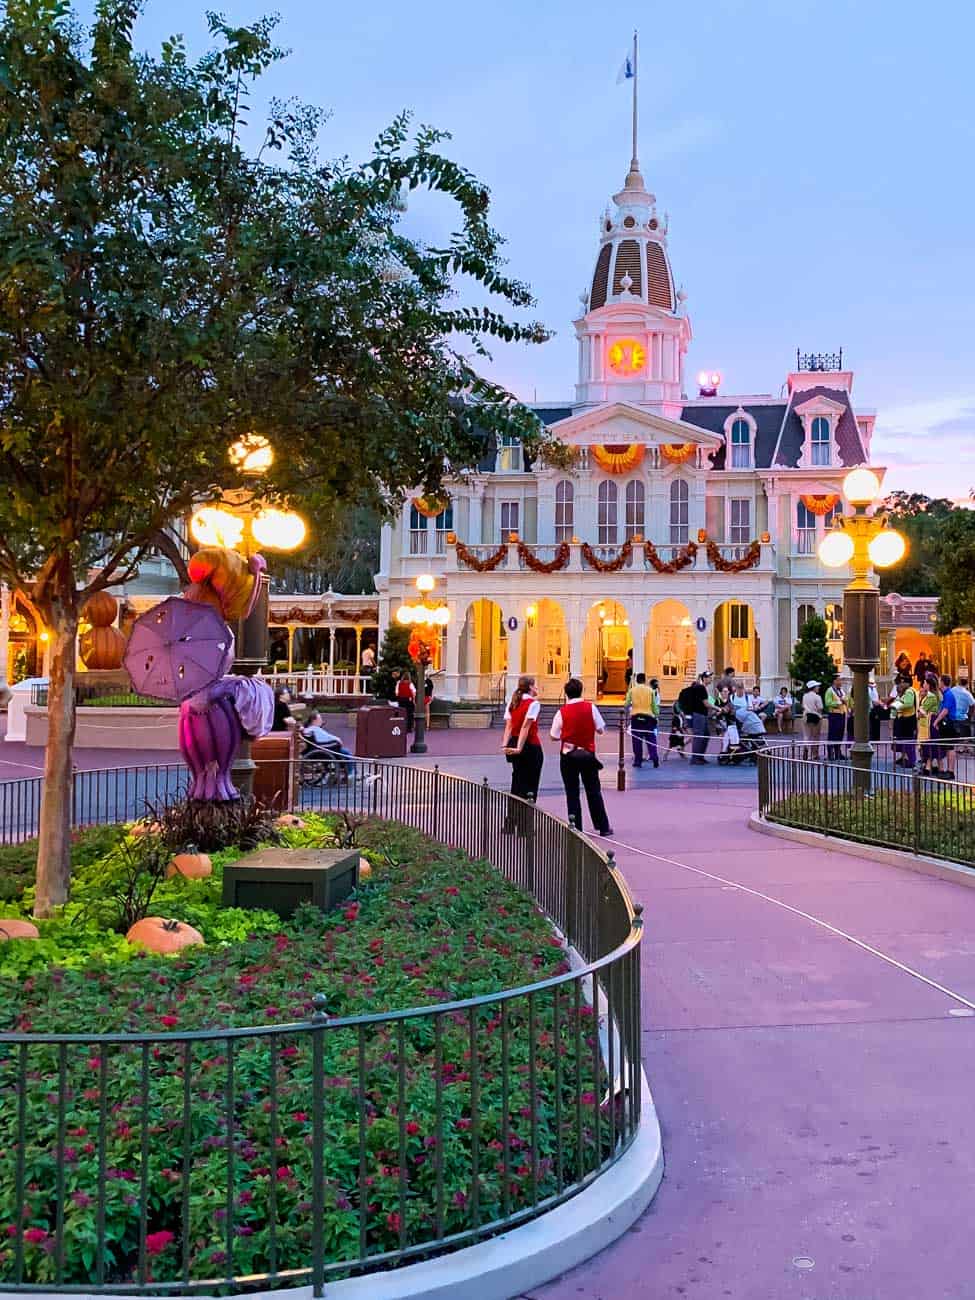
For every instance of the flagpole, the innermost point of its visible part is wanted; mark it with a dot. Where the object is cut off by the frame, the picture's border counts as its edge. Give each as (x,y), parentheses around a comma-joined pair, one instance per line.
(635,162)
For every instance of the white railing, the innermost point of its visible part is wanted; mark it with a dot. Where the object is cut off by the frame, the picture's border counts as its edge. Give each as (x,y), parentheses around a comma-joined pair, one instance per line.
(804,541)
(315,682)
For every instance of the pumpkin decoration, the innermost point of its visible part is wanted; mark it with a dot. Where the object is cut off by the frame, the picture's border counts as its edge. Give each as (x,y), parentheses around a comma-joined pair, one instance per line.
(289,822)
(365,868)
(431,506)
(11,928)
(616,458)
(224,579)
(103,645)
(159,935)
(191,866)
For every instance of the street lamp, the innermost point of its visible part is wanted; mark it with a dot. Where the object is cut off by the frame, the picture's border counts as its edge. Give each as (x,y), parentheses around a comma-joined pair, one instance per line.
(865,542)
(422,618)
(243,523)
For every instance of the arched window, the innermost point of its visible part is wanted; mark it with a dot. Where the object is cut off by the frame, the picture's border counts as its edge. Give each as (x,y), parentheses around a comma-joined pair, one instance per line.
(444,523)
(805,530)
(803,614)
(833,614)
(820,440)
(608,513)
(636,507)
(418,532)
(565,495)
(741,445)
(679,517)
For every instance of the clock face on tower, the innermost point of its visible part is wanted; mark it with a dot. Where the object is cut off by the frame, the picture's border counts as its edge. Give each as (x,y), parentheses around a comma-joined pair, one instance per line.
(627,357)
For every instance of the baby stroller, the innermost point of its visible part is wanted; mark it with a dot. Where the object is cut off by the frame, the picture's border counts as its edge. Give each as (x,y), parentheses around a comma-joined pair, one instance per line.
(751,740)
(321,765)
(678,733)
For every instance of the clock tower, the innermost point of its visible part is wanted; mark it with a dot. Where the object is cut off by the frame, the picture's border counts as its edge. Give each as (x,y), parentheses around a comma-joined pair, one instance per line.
(634,334)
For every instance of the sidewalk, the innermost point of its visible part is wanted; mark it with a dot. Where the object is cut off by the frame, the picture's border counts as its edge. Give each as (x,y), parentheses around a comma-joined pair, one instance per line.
(815,1100)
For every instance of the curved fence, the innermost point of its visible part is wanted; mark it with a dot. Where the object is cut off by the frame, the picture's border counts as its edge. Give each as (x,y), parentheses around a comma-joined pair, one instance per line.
(897,809)
(289,1154)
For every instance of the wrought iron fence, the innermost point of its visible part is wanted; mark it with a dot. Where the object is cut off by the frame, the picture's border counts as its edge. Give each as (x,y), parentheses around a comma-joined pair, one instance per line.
(289,1154)
(897,809)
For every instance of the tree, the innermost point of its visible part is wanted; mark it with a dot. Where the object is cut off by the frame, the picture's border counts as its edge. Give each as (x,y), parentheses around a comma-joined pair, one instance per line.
(165,294)
(394,656)
(811,659)
(922,520)
(344,559)
(955,573)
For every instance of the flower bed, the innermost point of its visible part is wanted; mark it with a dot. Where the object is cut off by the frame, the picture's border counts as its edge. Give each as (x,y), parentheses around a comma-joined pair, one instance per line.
(198,1154)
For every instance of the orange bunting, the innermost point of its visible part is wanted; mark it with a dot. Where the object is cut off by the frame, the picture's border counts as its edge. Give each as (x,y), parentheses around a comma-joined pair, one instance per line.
(820,503)
(618,458)
(677,451)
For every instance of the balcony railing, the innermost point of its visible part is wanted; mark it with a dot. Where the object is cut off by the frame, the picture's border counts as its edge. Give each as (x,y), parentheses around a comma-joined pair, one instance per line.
(804,541)
(507,555)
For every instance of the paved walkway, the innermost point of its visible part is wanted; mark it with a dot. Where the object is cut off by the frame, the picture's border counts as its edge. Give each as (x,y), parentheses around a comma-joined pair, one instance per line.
(815,1099)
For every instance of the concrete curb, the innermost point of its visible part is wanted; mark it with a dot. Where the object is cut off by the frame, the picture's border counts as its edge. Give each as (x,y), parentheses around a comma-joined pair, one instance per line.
(915,862)
(514,1262)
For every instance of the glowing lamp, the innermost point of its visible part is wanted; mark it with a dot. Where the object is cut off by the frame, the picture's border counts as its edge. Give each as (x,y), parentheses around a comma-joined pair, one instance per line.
(836,549)
(425,582)
(443,615)
(861,486)
(627,357)
(886,548)
(212,526)
(278,530)
(531,611)
(253,454)
(403,615)
(709,381)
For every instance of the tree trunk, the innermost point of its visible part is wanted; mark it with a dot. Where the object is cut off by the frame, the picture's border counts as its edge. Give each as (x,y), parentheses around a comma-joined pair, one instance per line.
(54,842)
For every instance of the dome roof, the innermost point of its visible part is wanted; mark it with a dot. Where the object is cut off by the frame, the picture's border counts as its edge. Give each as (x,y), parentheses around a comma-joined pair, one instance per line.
(632,263)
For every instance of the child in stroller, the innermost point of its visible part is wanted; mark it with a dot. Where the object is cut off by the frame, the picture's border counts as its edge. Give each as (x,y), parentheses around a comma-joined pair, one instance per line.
(324,759)
(751,738)
(675,743)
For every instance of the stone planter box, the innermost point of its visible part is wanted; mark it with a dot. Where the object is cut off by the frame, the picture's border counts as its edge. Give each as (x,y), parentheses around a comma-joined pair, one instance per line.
(121,728)
(439,721)
(471,719)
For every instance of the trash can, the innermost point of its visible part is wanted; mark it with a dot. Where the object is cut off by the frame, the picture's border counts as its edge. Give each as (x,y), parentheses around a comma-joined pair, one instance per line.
(380,732)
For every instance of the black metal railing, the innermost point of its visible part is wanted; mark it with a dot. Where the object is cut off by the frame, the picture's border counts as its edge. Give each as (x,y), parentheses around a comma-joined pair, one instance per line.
(146,1163)
(896,809)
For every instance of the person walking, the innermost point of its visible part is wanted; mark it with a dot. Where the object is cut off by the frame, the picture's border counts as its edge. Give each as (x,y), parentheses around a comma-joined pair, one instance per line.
(812,719)
(834,703)
(694,703)
(520,742)
(928,705)
(643,714)
(406,696)
(575,727)
(903,711)
(945,726)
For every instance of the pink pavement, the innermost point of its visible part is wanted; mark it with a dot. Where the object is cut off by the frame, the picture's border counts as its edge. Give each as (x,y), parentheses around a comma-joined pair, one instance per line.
(815,1101)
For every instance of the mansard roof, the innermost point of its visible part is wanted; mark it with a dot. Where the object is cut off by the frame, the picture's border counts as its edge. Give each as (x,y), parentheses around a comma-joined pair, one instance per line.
(779,432)
(846,434)
(768,418)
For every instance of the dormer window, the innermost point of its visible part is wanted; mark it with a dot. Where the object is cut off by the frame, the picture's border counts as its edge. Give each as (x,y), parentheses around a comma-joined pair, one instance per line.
(510,459)
(741,445)
(820,438)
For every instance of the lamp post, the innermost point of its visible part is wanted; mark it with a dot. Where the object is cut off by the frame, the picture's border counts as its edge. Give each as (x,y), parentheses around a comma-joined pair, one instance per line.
(242,522)
(422,617)
(864,541)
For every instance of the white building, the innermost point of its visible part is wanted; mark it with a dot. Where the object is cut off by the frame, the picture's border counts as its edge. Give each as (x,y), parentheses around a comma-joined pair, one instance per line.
(707,509)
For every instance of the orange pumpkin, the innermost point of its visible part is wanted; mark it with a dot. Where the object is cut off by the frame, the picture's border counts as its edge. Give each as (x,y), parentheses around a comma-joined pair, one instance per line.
(192,866)
(289,822)
(14,929)
(102,647)
(365,868)
(100,610)
(156,934)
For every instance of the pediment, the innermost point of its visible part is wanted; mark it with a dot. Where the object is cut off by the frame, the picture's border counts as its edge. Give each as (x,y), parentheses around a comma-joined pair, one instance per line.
(622,423)
(819,404)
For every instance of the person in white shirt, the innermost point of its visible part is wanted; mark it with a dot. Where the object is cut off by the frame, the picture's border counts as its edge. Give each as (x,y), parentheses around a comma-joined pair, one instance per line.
(812,720)
(575,727)
(368,659)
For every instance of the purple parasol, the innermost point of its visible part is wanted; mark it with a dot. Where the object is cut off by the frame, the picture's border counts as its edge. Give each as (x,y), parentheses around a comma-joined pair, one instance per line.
(177,648)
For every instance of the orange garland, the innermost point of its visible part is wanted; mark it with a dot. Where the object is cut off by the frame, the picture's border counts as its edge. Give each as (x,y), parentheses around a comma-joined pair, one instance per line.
(607,566)
(820,503)
(677,451)
(481,566)
(747,561)
(558,561)
(618,458)
(680,561)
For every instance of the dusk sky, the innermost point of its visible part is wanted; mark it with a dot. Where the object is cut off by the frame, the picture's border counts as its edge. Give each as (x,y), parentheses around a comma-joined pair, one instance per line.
(815,159)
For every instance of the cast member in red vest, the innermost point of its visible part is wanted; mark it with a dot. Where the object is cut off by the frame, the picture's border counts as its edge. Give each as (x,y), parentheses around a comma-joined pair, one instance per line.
(576,726)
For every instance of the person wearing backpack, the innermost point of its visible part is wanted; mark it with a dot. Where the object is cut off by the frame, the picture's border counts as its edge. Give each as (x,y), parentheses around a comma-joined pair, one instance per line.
(694,703)
(406,697)
(575,727)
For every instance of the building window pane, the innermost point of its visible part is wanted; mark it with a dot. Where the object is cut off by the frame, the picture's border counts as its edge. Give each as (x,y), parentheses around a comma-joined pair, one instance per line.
(803,615)
(418,532)
(509,518)
(636,503)
(564,510)
(679,512)
(739,622)
(608,513)
(805,530)
(510,460)
(444,524)
(820,441)
(741,449)
(740,520)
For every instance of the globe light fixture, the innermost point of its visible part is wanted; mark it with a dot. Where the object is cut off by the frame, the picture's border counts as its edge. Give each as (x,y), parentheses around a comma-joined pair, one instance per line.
(836,549)
(278,530)
(425,616)
(214,526)
(426,582)
(861,486)
(886,548)
(253,454)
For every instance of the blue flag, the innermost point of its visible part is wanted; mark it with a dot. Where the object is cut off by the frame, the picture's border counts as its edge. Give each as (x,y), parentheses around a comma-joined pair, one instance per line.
(626,71)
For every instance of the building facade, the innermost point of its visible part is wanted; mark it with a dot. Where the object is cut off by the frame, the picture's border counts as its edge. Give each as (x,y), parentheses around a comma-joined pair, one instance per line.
(679,535)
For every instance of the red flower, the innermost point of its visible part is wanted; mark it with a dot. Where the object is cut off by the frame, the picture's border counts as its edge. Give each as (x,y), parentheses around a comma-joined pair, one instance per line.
(394,1222)
(35,1236)
(464,1123)
(300,1116)
(284,1171)
(156,1242)
(351,912)
(169,1022)
(452,890)
(588,1099)
(412,1128)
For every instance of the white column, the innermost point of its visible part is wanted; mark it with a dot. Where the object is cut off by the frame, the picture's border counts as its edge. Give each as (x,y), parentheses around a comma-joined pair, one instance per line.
(576,623)
(452,634)
(4,635)
(514,650)
(640,646)
(763,611)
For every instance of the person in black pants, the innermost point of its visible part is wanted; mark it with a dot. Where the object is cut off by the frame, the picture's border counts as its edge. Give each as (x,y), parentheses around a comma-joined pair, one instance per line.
(576,726)
(522,748)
